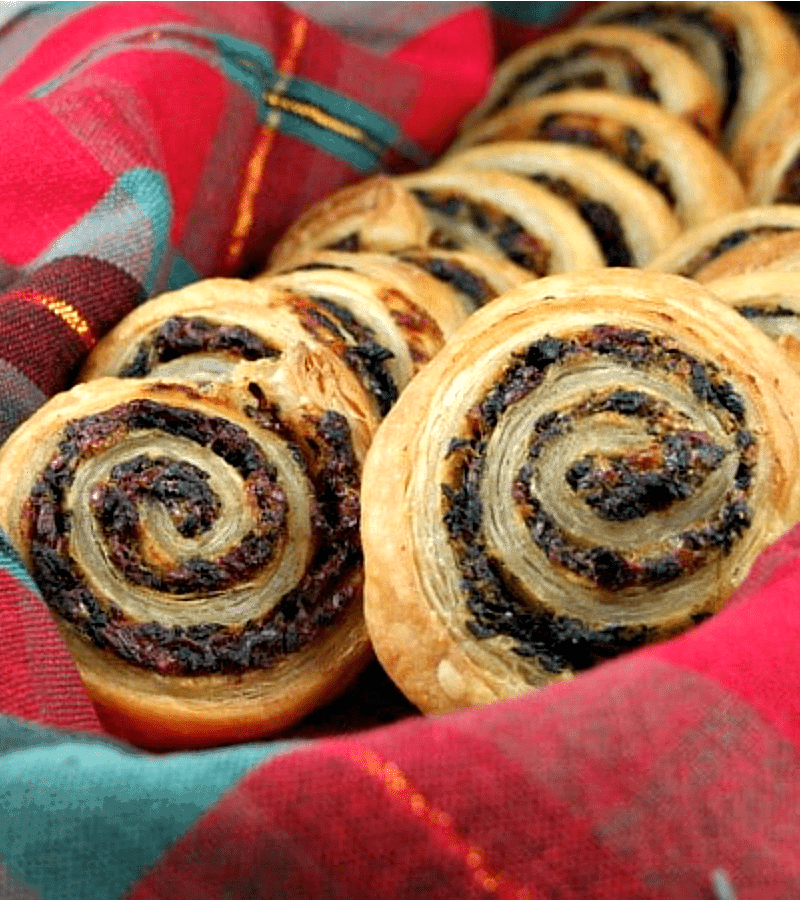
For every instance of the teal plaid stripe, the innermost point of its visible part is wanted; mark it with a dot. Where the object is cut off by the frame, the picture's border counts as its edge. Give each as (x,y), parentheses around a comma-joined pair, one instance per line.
(316,114)
(305,109)
(83,818)
(12,564)
(49,12)
(334,123)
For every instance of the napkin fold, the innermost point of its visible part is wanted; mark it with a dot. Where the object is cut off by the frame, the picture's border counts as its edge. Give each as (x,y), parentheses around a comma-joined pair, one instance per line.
(672,772)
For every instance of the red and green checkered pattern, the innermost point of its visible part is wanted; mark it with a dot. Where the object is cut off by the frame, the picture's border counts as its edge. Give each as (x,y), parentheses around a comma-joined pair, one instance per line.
(145,145)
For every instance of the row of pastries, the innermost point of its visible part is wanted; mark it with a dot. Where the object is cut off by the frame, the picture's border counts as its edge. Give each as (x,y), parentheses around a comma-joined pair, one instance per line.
(489,423)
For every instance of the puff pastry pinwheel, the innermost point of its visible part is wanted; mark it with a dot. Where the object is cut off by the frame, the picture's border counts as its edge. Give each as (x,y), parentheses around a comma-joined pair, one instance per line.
(491,213)
(766,152)
(386,333)
(591,464)
(374,214)
(476,277)
(501,214)
(198,545)
(630,219)
(693,175)
(742,241)
(618,58)
(749,49)
(202,332)
(392,271)
(770,300)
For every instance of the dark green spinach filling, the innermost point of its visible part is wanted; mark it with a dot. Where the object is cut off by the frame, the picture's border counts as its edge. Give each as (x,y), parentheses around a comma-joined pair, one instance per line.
(623,491)
(324,591)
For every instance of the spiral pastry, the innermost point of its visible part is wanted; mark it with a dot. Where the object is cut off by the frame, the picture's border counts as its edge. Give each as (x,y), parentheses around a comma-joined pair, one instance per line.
(693,175)
(393,273)
(471,278)
(376,214)
(770,300)
(496,213)
(629,218)
(591,464)
(739,242)
(617,58)
(476,277)
(201,332)
(384,332)
(749,49)
(766,152)
(198,545)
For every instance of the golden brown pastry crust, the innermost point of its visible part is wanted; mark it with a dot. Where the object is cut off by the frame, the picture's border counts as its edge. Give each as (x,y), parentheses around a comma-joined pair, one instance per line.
(614,57)
(381,333)
(211,667)
(598,187)
(739,242)
(390,273)
(694,176)
(392,216)
(375,214)
(767,147)
(154,339)
(476,277)
(410,327)
(504,215)
(770,300)
(498,415)
(763,47)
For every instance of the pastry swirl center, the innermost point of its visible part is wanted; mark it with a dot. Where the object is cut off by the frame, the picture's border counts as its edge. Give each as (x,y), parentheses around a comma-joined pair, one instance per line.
(183,543)
(597,478)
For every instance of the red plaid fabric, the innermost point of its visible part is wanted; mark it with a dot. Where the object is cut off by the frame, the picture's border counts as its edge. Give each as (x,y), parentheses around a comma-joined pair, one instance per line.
(144,145)
(643,780)
(39,683)
(670,773)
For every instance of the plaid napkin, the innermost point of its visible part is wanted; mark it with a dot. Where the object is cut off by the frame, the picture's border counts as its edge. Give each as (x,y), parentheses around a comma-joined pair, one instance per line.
(145,145)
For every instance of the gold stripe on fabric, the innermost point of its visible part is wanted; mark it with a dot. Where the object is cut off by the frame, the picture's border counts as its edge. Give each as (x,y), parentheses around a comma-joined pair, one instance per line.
(67,313)
(253,177)
(397,784)
(323,119)
(257,163)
